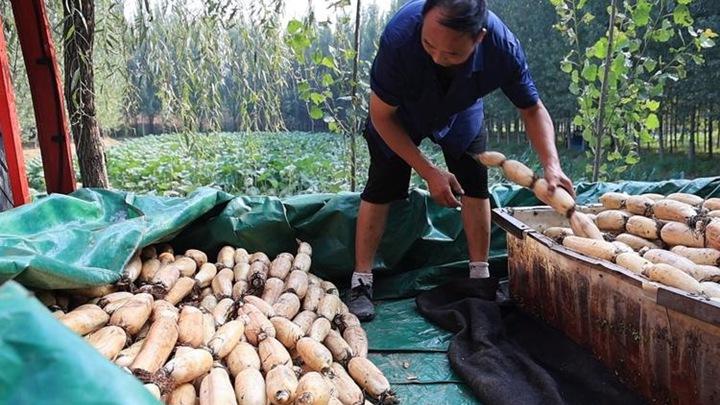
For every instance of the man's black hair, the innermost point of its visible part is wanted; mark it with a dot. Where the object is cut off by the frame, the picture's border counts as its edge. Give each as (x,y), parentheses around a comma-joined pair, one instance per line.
(468,16)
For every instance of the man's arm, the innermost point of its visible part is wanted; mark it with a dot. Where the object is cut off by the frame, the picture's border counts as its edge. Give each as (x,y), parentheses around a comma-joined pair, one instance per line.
(440,182)
(539,127)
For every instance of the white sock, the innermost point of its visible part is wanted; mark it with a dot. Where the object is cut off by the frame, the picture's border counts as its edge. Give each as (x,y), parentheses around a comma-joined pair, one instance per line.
(367,279)
(479,270)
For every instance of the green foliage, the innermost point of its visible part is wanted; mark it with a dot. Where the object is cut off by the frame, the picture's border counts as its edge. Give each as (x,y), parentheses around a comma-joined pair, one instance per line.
(670,166)
(241,66)
(250,163)
(226,65)
(267,163)
(325,59)
(332,80)
(17,72)
(619,81)
(283,164)
(545,47)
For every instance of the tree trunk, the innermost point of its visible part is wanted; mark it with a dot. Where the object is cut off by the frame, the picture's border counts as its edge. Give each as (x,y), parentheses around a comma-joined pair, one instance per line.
(717,140)
(568,132)
(691,135)
(683,131)
(673,141)
(600,120)
(661,135)
(706,127)
(710,132)
(355,101)
(78,33)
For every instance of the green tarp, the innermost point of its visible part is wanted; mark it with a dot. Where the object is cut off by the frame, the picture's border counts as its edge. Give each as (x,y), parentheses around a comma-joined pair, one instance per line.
(42,362)
(398,328)
(415,367)
(87,237)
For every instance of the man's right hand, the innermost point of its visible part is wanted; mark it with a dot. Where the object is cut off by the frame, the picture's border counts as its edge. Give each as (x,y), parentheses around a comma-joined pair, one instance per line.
(441,183)
(443,186)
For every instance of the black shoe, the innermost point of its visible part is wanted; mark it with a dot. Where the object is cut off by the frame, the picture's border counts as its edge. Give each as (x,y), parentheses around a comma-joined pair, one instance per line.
(503,296)
(360,302)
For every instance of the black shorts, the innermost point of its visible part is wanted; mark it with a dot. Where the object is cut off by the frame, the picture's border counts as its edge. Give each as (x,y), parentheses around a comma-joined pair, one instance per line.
(389,177)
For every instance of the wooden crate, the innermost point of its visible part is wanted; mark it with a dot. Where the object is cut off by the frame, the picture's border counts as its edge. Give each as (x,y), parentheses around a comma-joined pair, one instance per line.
(660,341)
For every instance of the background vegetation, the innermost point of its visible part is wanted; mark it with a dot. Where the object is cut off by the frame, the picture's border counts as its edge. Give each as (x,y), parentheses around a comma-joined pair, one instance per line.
(256,101)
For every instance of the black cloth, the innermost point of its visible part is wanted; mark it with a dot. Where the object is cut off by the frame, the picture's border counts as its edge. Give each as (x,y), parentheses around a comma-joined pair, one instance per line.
(507,357)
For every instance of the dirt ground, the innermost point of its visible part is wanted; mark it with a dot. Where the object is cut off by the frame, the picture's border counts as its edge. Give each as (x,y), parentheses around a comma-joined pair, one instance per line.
(30,153)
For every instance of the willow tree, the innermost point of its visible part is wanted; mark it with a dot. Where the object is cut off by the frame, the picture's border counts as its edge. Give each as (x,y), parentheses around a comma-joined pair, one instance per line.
(78,36)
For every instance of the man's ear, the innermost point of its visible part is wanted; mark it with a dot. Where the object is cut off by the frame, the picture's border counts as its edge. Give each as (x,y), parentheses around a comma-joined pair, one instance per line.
(480,36)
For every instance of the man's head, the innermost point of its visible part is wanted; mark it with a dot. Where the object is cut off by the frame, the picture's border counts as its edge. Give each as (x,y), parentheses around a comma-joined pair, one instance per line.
(452,28)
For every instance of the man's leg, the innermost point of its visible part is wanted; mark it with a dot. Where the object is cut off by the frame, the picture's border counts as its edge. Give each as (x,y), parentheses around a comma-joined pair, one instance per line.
(388,180)
(473,178)
(370,228)
(368,233)
(476,221)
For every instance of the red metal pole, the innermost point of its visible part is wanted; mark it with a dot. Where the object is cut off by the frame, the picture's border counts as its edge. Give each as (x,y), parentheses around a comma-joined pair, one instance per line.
(47,94)
(10,130)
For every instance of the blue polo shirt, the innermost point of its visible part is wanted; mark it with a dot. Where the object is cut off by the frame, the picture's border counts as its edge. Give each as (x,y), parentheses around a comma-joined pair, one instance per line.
(404,75)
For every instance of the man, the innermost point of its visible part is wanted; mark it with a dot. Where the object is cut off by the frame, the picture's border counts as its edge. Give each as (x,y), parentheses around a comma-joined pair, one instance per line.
(435,62)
